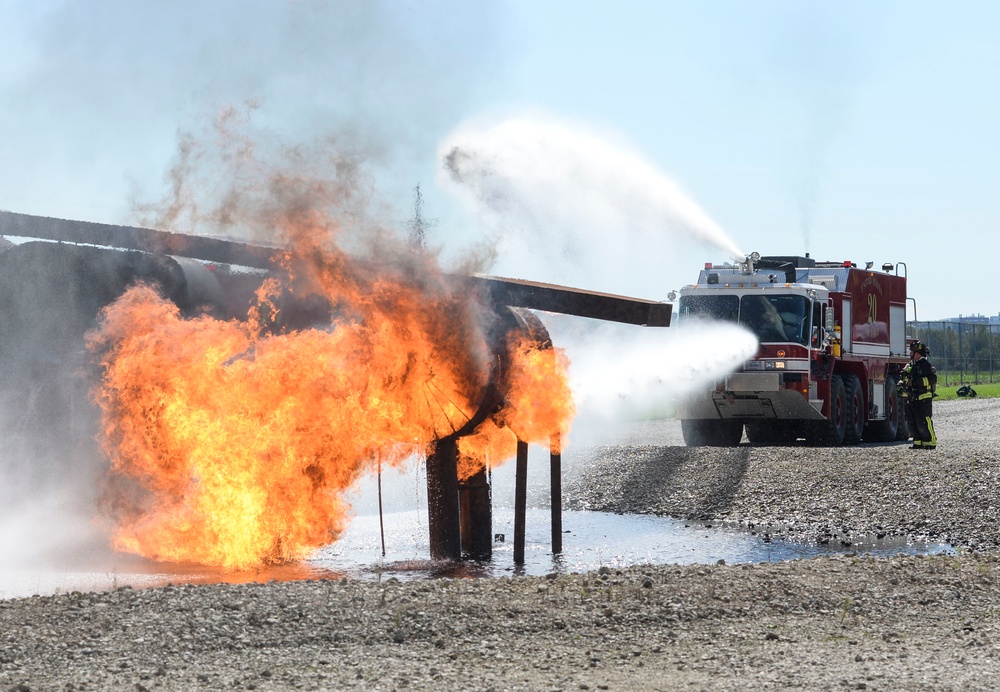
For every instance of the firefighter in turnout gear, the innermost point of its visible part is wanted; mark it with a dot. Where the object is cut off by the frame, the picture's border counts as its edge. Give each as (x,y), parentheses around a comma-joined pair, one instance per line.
(917,383)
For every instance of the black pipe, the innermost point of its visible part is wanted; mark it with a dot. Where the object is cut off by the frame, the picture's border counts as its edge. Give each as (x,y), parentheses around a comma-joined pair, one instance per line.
(520,500)
(555,476)
(476,517)
(443,516)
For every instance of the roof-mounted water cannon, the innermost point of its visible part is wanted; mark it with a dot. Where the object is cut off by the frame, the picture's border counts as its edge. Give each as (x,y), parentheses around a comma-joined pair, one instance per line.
(748,265)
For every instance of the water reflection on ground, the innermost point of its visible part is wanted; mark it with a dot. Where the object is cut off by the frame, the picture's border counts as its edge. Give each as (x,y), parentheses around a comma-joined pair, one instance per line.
(591,540)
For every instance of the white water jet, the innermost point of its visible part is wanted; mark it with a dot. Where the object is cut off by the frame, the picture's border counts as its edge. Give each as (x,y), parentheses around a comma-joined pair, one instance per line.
(620,371)
(566,205)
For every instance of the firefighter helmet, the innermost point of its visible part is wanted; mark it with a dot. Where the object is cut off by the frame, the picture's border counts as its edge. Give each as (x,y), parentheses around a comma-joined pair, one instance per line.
(920,347)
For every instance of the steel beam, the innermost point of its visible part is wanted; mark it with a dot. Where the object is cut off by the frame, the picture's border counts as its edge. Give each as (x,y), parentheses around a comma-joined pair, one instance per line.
(134,238)
(494,290)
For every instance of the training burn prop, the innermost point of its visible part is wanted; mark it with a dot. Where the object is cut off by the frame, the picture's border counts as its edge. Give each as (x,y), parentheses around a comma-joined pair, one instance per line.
(241,389)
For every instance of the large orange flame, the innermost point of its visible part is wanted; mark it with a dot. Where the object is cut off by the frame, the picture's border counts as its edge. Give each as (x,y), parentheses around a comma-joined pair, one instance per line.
(538,408)
(241,441)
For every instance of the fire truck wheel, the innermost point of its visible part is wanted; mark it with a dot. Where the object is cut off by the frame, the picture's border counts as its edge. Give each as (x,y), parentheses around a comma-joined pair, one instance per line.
(854,412)
(712,433)
(830,433)
(887,430)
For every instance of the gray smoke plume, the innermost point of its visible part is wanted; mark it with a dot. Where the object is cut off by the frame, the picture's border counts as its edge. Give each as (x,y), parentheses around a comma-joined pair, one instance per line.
(103,88)
(248,105)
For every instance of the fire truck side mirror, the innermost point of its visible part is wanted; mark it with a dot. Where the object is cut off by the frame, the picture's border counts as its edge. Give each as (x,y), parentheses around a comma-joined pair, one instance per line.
(823,333)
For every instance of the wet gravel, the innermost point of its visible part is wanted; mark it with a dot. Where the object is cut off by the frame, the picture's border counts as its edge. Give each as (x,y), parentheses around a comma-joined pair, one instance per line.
(842,622)
(842,495)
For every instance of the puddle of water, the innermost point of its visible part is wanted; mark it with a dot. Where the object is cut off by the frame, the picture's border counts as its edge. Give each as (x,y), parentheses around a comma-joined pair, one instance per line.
(591,540)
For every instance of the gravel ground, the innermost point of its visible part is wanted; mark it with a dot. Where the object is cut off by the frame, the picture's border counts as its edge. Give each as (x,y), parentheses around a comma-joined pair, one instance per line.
(843,622)
(814,494)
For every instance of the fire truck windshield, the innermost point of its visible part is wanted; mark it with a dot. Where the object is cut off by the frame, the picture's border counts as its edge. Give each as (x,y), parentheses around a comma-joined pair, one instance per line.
(772,318)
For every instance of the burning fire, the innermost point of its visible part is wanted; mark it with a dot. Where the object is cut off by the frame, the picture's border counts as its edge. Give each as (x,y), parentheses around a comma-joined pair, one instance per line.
(233,443)
(539,397)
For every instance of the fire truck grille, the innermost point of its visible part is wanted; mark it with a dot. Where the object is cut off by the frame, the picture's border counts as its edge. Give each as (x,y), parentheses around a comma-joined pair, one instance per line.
(753,382)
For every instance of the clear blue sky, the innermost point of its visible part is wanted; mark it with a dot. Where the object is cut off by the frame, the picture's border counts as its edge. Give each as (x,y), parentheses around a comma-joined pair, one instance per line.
(853,130)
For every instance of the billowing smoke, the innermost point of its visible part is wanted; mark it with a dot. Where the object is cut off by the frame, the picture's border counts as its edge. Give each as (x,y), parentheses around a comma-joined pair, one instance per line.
(50,469)
(569,206)
(51,476)
(232,177)
(102,88)
(268,98)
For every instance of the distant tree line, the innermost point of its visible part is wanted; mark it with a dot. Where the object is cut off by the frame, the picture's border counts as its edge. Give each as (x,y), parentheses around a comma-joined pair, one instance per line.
(962,352)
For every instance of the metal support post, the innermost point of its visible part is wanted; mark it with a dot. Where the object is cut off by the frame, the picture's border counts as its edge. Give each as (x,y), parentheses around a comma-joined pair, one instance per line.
(555,473)
(520,500)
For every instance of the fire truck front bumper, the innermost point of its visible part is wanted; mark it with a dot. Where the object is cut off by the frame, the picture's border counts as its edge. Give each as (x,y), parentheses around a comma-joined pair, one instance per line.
(751,398)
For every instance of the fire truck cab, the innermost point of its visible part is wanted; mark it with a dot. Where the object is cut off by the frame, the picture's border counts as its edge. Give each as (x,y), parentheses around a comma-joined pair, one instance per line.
(832,342)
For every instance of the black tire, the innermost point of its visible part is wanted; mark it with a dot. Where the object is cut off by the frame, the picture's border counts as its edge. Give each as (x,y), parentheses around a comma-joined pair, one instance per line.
(903,430)
(773,433)
(854,411)
(830,433)
(886,430)
(712,432)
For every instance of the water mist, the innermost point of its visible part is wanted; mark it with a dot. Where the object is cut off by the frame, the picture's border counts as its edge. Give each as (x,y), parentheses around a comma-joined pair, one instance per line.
(567,205)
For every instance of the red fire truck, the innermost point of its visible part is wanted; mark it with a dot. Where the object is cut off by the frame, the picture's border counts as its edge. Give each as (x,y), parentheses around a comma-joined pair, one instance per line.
(832,342)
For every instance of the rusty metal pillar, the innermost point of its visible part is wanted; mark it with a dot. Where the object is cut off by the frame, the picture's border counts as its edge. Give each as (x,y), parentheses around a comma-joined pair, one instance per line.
(476,516)
(520,500)
(555,476)
(443,516)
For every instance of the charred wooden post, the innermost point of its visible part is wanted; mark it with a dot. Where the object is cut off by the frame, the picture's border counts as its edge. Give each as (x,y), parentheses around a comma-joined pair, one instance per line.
(555,482)
(520,500)
(443,515)
(476,517)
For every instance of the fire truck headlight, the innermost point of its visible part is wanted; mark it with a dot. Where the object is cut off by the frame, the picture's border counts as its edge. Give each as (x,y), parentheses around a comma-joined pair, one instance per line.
(779,365)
